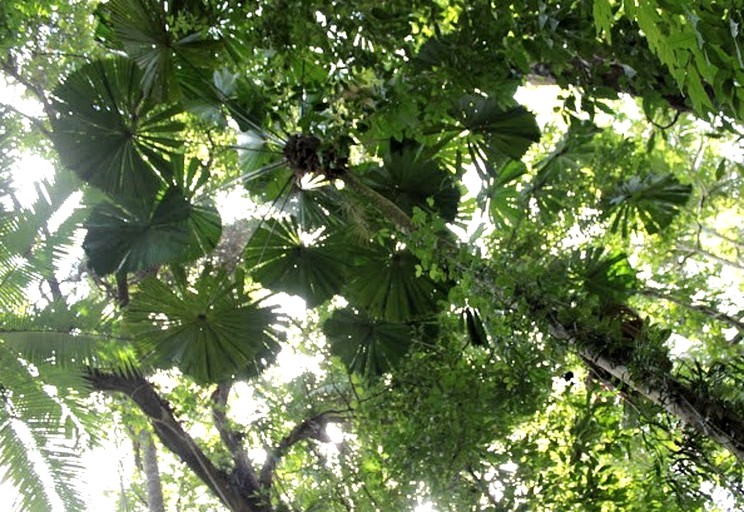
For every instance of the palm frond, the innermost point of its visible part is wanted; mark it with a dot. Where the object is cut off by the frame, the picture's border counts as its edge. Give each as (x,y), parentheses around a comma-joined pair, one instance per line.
(58,337)
(41,433)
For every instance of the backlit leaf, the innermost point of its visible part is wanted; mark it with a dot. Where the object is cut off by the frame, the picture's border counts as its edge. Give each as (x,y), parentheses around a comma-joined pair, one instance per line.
(111,135)
(211,332)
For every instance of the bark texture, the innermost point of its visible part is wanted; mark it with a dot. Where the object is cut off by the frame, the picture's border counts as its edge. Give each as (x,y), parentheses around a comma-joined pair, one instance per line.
(704,413)
(242,489)
(155,501)
(234,493)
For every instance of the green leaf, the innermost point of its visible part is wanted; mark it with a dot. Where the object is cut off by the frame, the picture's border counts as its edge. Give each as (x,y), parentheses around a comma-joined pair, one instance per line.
(608,276)
(475,328)
(696,89)
(509,131)
(34,440)
(562,165)
(125,240)
(603,18)
(211,331)
(505,201)
(366,346)
(410,176)
(142,27)
(386,286)
(655,200)
(111,135)
(278,258)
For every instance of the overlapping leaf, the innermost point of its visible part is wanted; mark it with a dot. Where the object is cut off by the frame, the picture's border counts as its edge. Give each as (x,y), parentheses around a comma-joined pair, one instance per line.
(411,176)
(386,286)
(278,258)
(366,346)
(211,332)
(561,166)
(654,200)
(175,230)
(110,134)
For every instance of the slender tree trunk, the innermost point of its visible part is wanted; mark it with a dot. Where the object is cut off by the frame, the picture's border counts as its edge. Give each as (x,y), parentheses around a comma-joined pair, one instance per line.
(152,475)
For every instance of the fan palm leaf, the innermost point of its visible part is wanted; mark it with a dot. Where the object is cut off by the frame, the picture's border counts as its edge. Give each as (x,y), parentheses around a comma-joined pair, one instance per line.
(211,331)
(280,260)
(654,200)
(122,240)
(387,286)
(367,346)
(111,134)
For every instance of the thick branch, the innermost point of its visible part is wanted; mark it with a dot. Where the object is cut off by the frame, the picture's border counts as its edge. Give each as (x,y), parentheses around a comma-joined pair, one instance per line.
(176,439)
(311,428)
(704,413)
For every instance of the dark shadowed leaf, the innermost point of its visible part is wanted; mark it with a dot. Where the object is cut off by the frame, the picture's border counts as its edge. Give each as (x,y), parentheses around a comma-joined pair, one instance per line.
(411,176)
(608,276)
(366,346)
(126,240)
(386,286)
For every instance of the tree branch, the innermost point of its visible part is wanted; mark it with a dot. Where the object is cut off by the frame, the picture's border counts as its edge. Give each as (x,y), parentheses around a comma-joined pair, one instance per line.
(703,413)
(311,428)
(700,308)
(484,487)
(699,250)
(243,471)
(10,68)
(234,496)
(122,289)
(37,124)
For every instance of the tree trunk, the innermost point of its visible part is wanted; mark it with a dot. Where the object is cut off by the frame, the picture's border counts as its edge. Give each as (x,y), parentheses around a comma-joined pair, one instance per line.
(152,474)
(234,492)
(704,413)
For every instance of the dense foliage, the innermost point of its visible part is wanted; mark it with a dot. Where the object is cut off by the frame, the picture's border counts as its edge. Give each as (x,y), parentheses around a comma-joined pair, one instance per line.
(497,313)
